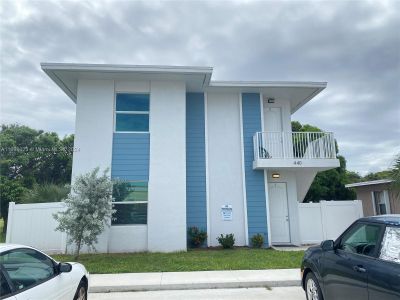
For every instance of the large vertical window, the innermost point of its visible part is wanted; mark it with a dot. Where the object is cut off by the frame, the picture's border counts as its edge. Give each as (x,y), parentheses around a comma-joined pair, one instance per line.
(130,202)
(132,112)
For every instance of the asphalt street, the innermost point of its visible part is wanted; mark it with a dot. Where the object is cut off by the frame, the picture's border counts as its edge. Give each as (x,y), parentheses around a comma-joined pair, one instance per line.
(281,293)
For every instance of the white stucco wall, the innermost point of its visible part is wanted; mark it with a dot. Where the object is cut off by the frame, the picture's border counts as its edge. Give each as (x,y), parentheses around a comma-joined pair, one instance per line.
(128,238)
(93,126)
(304,179)
(167,179)
(289,177)
(225,183)
(93,135)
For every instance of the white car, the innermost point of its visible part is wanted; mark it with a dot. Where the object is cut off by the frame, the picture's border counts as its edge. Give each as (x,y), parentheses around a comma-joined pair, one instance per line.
(27,273)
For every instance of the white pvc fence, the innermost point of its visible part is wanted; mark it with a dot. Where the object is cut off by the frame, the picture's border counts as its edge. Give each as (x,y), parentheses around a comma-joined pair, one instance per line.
(326,220)
(34,225)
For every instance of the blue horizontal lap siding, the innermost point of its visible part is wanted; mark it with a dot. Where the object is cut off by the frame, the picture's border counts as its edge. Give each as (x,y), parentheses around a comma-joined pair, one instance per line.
(130,156)
(255,186)
(196,205)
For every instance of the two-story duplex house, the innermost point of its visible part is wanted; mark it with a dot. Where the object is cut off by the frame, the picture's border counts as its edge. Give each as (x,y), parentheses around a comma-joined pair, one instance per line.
(219,155)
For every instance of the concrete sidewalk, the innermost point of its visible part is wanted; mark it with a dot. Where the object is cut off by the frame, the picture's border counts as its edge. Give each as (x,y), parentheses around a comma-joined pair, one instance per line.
(103,283)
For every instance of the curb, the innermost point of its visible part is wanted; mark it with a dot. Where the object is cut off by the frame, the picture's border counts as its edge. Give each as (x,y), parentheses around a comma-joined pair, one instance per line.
(193,286)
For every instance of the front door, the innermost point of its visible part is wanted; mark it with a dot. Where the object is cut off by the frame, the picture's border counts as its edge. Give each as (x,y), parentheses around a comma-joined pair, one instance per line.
(278,211)
(273,127)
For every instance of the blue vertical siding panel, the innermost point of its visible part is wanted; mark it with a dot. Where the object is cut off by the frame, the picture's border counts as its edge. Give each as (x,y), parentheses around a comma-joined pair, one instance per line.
(130,156)
(196,203)
(255,186)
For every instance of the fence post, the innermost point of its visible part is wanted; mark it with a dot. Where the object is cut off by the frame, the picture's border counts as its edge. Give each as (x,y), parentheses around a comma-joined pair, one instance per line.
(11,207)
(322,205)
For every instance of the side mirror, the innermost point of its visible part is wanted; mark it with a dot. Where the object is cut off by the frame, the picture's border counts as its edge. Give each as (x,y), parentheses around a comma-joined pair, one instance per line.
(64,267)
(327,245)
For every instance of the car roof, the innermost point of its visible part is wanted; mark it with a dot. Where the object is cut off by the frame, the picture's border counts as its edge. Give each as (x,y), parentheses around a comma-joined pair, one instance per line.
(383,219)
(6,247)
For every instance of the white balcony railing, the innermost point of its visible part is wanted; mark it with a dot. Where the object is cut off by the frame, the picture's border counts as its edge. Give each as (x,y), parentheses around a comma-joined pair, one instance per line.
(294,145)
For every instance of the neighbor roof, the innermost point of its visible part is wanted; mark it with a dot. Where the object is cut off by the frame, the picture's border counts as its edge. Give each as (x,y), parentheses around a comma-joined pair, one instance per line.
(197,79)
(373,182)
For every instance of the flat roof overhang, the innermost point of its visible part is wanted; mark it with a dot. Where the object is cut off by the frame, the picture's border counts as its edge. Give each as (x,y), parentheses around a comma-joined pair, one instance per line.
(297,93)
(66,76)
(197,79)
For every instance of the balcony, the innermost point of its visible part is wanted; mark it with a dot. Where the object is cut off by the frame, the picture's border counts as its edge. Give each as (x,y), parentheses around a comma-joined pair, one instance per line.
(294,150)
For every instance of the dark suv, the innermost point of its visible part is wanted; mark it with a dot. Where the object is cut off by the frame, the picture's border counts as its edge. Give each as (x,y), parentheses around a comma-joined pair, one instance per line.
(363,263)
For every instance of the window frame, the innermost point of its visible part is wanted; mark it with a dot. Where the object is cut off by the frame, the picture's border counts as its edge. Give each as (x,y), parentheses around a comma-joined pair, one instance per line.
(14,290)
(133,203)
(129,112)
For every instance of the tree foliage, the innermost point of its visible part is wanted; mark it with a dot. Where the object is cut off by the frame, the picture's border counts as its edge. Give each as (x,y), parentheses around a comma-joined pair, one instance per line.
(395,174)
(327,185)
(47,192)
(34,166)
(34,156)
(89,209)
(11,190)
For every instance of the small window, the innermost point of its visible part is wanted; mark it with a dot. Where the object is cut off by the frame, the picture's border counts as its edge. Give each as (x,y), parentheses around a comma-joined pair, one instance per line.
(380,203)
(130,202)
(391,245)
(27,267)
(361,239)
(132,112)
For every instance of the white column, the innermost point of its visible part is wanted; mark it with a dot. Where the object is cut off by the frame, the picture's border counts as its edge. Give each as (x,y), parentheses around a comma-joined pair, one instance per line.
(93,126)
(94,134)
(167,178)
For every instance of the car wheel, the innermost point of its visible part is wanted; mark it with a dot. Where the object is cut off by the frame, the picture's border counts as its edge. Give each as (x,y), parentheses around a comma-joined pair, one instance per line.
(313,290)
(81,291)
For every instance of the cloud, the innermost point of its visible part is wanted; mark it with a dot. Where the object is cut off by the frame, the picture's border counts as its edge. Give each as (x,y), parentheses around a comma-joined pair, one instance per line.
(354,45)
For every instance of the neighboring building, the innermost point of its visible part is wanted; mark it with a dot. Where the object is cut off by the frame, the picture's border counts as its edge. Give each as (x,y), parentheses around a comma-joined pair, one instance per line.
(377,197)
(219,155)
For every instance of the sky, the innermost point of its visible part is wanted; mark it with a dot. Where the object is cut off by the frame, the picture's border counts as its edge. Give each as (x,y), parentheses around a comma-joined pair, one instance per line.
(352,45)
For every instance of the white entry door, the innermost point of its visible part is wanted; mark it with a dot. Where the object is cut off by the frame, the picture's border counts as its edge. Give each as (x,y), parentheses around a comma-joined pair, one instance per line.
(279,214)
(273,125)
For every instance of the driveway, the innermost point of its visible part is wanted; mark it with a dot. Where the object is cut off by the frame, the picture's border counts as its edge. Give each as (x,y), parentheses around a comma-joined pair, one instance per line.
(290,293)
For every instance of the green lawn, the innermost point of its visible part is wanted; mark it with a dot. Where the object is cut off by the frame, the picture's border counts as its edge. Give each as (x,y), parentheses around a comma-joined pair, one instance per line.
(193,260)
(2,235)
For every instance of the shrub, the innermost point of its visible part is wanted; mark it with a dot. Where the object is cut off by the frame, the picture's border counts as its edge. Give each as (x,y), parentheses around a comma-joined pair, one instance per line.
(89,209)
(257,240)
(226,241)
(196,236)
(47,192)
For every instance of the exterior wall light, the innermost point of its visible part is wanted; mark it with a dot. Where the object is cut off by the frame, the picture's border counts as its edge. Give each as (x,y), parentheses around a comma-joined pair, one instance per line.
(271,100)
(276,175)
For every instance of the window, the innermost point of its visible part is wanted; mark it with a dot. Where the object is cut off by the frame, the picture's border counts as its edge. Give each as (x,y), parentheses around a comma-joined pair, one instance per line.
(381,202)
(4,288)
(130,202)
(27,267)
(391,245)
(361,239)
(132,112)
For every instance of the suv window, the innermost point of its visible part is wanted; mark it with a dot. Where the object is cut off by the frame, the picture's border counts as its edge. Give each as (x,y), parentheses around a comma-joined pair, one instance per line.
(361,239)
(27,267)
(391,245)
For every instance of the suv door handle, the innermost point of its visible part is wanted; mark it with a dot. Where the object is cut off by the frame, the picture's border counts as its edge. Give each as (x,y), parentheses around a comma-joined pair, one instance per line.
(360,269)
